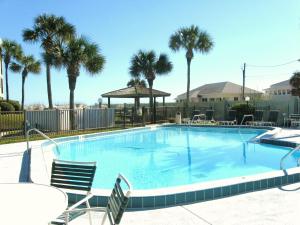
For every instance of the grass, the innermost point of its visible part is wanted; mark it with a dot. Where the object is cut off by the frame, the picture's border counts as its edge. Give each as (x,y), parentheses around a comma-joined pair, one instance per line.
(56,135)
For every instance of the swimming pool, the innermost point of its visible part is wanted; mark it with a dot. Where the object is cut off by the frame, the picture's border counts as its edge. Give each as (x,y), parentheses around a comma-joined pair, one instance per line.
(171,156)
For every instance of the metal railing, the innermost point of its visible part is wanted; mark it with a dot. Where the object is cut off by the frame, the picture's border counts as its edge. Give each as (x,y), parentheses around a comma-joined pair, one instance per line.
(42,134)
(45,136)
(289,154)
(245,116)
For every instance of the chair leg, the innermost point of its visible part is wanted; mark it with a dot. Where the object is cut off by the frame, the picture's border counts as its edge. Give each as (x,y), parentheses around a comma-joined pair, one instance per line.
(89,212)
(104,218)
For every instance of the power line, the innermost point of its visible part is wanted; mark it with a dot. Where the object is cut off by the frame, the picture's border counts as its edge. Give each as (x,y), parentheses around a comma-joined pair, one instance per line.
(270,66)
(268,75)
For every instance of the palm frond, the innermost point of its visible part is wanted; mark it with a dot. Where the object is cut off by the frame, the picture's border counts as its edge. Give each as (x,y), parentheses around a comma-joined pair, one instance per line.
(175,41)
(163,65)
(204,42)
(295,80)
(15,67)
(95,64)
(30,35)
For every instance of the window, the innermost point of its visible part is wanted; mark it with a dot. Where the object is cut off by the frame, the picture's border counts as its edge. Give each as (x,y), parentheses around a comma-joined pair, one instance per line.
(279,92)
(235,98)
(288,91)
(283,92)
(212,99)
(275,92)
(204,99)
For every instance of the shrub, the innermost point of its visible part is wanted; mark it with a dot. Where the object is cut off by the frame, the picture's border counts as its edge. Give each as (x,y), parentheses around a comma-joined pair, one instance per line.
(5,107)
(15,104)
(243,109)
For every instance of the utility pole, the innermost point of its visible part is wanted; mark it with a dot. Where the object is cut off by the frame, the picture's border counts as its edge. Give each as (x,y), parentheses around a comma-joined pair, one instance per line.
(244,74)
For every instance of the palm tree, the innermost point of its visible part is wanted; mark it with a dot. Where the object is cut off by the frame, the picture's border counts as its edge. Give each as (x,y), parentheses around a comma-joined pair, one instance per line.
(79,52)
(295,83)
(27,64)
(10,50)
(50,31)
(191,39)
(136,82)
(146,64)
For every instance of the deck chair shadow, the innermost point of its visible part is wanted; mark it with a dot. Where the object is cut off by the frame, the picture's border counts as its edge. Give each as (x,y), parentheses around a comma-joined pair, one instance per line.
(117,203)
(71,175)
(231,120)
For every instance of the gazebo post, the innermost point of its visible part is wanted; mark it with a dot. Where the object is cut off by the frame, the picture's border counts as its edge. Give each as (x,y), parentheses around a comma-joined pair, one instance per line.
(163,101)
(108,99)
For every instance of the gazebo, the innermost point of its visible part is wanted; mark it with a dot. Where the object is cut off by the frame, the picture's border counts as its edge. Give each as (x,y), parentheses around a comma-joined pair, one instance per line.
(136,93)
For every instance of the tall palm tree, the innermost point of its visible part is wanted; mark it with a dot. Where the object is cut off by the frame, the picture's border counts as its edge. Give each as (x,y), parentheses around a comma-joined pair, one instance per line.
(26,64)
(79,52)
(50,31)
(146,64)
(295,83)
(191,39)
(10,50)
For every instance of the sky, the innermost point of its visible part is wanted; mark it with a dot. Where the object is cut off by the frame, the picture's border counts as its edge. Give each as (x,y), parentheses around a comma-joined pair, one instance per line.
(262,33)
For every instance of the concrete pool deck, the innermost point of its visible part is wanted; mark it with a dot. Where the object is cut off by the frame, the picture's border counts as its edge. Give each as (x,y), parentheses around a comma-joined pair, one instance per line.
(272,206)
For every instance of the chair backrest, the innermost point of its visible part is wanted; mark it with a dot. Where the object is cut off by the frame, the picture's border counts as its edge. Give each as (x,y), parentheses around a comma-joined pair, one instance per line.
(73,175)
(195,112)
(273,116)
(209,114)
(258,115)
(231,115)
(118,201)
(295,116)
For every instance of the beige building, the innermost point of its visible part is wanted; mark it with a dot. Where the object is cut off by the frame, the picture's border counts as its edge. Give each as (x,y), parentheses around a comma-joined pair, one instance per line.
(218,92)
(1,75)
(282,88)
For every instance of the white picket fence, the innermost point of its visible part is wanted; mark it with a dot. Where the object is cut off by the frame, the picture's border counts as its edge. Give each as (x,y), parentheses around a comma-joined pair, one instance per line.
(59,119)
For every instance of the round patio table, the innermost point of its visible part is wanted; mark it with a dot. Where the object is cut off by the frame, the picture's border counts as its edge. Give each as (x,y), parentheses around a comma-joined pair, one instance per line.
(29,203)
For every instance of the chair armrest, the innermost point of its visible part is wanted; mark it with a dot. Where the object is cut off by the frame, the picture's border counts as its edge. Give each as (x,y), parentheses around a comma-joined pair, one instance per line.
(86,198)
(93,209)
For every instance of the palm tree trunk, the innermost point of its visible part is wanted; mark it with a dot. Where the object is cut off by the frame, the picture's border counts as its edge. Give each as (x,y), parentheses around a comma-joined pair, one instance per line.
(48,74)
(150,82)
(23,92)
(188,82)
(72,85)
(6,81)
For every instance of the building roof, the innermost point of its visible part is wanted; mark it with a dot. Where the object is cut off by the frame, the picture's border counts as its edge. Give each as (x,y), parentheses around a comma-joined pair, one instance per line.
(285,83)
(218,88)
(133,92)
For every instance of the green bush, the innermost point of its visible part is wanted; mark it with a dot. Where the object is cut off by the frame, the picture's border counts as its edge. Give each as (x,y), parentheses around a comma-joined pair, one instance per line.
(6,107)
(15,104)
(243,109)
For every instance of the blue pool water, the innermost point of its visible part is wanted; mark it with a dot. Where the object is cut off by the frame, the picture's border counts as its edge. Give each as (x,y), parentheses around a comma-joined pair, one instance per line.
(173,156)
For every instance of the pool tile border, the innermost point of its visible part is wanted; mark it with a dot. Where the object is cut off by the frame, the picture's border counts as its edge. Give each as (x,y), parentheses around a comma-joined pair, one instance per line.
(205,194)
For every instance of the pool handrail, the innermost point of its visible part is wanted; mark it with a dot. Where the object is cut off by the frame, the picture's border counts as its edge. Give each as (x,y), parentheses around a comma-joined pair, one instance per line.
(288,154)
(245,116)
(45,136)
(40,133)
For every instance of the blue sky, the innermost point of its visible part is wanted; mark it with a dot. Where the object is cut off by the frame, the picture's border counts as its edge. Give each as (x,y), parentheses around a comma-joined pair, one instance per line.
(256,32)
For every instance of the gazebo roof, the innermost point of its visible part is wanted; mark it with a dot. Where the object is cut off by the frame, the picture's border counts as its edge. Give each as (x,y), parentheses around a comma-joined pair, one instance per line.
(134,92)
